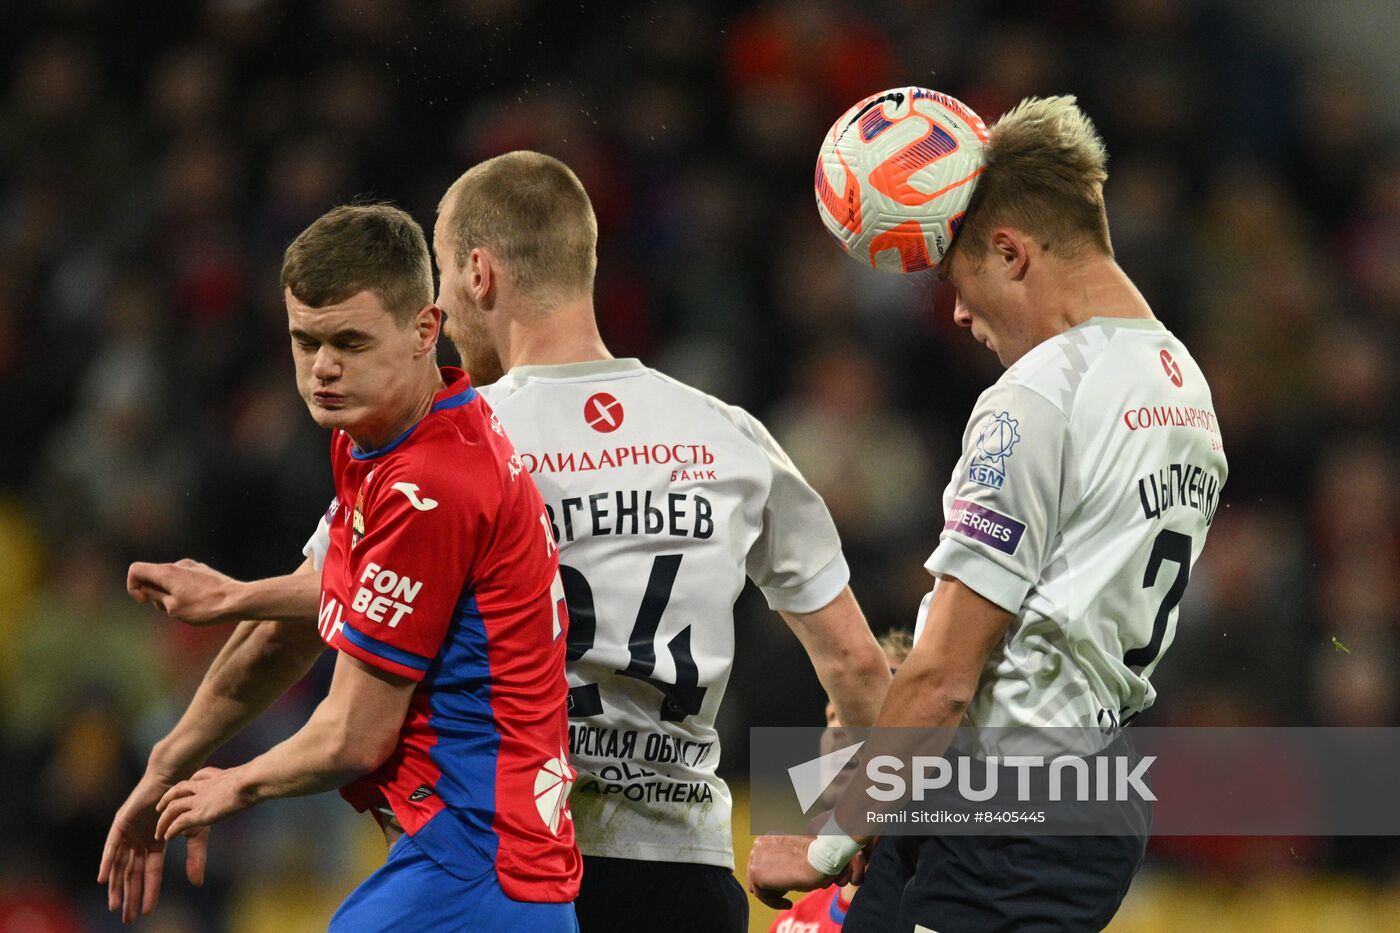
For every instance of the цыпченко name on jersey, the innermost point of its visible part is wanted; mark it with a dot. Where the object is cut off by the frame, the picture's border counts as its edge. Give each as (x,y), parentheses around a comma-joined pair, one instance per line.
(1180,484)
(624,775)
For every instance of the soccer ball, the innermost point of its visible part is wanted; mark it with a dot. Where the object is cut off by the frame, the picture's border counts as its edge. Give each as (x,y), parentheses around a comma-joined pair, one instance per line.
(895,174)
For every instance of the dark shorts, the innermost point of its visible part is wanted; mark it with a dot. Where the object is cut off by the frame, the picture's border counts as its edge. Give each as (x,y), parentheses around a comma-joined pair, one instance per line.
(623,895)
(985,884)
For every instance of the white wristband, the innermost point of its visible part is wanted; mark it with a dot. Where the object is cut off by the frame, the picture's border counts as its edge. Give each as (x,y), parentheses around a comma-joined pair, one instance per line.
(828,854)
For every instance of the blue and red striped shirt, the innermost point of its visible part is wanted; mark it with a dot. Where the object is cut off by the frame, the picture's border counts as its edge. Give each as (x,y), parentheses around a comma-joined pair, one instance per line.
(442,569)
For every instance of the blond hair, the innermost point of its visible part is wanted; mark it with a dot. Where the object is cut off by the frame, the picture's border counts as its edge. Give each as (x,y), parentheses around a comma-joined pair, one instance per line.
(1044,176)
(897,643)
(533,213)
(361,247)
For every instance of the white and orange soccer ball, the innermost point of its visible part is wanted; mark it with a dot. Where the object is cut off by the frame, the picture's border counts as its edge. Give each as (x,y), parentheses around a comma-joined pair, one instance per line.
(895,175)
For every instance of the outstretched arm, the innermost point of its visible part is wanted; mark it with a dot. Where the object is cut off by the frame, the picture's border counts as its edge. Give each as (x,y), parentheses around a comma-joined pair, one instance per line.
(200,595)
(933,689)
(258,663)
(846,656)
(350,734)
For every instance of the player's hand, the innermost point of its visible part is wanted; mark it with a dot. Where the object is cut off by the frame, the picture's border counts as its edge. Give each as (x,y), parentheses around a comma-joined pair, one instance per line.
(134,857)
(855,870)
(186,590)
(778,864)
(211,795)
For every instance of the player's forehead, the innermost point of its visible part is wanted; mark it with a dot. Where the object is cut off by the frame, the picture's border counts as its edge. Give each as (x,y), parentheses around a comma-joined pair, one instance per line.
(442,226)
(362,311)
(945,265)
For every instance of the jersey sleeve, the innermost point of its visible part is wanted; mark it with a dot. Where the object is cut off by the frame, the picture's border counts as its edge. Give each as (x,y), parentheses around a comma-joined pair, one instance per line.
(319,543)
(408,571)
(1007,492)
(796,560)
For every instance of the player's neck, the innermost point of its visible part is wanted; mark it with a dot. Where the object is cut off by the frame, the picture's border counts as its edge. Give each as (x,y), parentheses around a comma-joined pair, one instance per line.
(566,333)
(1094,288)
(399,418)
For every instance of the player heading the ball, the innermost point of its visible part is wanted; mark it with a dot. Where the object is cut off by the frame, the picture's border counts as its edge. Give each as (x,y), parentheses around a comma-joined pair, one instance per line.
(1071,524)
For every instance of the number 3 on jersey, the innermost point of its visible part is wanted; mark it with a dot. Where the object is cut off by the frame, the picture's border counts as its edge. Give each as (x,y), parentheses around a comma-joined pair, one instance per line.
(679,699)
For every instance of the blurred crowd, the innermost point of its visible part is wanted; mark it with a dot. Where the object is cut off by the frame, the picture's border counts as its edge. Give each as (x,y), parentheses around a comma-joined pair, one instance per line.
(156,164)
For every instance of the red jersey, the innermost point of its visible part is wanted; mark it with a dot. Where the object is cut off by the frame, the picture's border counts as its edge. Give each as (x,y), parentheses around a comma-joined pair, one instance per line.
(442,569)
(822,911)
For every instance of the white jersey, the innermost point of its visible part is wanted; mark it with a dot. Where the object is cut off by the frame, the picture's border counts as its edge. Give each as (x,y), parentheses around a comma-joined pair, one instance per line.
(662,499)
(1090,474)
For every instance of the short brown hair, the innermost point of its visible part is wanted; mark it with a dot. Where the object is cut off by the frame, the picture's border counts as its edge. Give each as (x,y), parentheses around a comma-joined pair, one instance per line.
(533,213)
(361,247)
(1045,169)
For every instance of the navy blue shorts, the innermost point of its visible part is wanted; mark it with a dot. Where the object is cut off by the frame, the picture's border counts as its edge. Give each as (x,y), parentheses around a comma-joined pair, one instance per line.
(988,884)
(411,891)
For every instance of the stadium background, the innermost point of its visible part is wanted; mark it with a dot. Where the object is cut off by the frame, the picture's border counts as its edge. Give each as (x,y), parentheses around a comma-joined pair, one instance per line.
(156,164)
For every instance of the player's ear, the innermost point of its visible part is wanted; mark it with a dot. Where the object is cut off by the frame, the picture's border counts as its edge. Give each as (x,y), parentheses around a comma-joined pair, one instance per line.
(482,272)
(1010,250)
(428,324)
